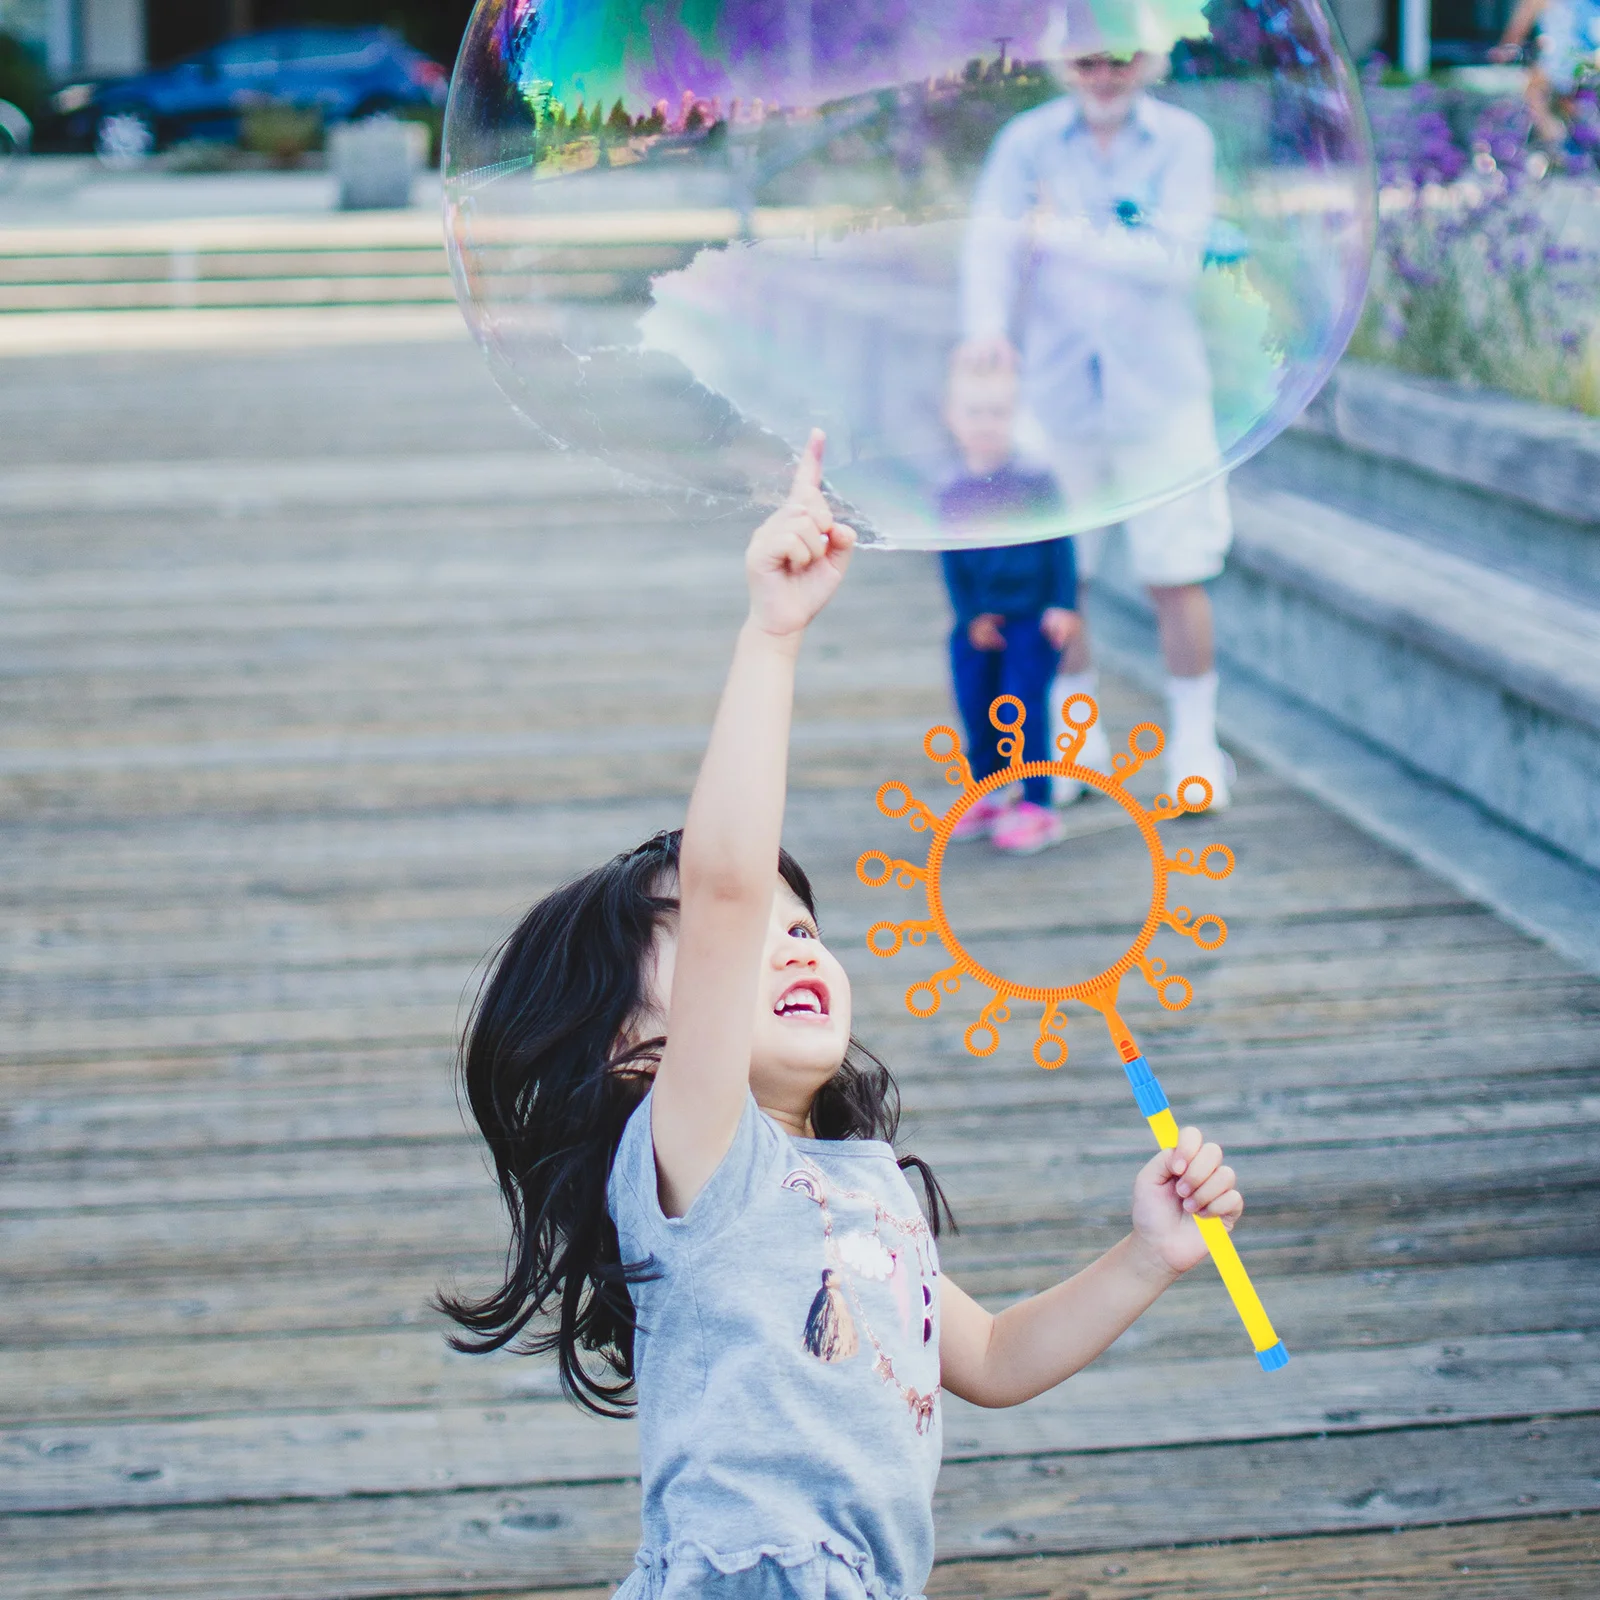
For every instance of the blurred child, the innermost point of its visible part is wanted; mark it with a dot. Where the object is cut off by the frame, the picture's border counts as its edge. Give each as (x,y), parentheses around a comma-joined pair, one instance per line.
(1015,604)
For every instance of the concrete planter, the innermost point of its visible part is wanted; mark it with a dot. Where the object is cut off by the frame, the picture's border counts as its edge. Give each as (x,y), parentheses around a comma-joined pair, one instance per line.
(376,161)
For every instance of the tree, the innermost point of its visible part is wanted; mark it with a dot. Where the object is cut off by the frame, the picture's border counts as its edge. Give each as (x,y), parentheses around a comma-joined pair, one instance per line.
(23,79)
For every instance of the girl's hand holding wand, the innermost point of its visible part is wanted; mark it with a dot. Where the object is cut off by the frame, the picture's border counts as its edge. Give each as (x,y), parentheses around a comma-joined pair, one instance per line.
(1176,1186)
(1040,1342)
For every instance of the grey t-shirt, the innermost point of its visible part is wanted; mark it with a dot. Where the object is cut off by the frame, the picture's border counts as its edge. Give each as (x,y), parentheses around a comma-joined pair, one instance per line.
(787,1359)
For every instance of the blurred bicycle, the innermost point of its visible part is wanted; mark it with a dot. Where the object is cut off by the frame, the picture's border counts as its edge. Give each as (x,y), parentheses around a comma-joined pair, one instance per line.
(16,137)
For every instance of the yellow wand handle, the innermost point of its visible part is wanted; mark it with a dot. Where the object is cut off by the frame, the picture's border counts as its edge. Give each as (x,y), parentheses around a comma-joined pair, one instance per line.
(1158,1113)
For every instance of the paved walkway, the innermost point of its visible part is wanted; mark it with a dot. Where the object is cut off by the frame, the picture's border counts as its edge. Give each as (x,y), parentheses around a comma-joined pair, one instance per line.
(286,747)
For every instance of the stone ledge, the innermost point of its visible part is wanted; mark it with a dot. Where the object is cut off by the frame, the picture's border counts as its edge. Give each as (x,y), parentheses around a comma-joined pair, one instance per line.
(1477,680)
(1547,895)
(1539,645)
(1532,454)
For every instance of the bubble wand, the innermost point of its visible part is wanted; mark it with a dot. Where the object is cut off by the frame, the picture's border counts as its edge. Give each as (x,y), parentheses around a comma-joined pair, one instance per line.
(875,868)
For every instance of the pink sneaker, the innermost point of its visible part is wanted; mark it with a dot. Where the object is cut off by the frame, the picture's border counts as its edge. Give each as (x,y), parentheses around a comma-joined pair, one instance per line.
(1026,829)
(979,821)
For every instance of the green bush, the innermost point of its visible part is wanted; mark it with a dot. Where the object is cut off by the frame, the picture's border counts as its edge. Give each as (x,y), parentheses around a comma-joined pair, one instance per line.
(432,118)
(23,79)
(282,132)
(201,155)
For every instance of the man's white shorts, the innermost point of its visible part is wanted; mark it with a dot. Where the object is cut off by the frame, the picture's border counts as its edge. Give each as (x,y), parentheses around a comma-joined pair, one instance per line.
(1183,541)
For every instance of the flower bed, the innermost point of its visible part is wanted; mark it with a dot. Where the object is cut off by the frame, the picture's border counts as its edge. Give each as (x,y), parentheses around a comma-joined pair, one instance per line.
(1488,263)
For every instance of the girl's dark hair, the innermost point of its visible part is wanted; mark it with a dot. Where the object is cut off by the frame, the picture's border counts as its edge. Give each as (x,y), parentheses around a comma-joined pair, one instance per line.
(552,1092)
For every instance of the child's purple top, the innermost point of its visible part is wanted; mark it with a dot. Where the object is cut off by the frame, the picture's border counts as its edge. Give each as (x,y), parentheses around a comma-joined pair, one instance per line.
(1012,580)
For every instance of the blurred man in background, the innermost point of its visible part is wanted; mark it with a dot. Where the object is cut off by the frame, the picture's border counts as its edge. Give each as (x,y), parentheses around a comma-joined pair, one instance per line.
(1086,241)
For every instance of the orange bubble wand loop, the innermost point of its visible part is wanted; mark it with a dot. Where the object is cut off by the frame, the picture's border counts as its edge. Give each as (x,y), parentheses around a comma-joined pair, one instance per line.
(923,999)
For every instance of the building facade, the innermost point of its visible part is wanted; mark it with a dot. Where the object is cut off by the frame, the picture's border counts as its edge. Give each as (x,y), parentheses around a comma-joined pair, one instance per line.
(104,37)
(100,37)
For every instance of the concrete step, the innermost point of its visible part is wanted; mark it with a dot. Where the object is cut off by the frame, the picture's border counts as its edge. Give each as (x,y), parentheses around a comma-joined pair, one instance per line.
(1509,483)
(1548,895)
(1473,676)
(152,266)
(384,259)
(183,292)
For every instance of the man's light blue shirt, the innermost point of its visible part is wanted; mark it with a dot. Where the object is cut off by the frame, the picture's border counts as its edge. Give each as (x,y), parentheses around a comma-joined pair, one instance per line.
(1087,259)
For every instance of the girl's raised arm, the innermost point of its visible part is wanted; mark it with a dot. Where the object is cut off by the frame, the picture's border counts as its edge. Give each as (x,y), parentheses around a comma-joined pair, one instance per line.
(728,864)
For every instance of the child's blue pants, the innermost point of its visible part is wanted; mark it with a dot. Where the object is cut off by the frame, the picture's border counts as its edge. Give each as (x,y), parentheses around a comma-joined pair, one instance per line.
(1024,668)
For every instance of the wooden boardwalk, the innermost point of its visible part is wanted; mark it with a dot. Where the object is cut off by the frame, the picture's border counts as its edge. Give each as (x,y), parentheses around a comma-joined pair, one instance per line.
(284,750)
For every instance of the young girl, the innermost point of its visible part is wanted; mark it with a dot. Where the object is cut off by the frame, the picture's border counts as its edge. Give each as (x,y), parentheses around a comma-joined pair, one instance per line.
(696,1159)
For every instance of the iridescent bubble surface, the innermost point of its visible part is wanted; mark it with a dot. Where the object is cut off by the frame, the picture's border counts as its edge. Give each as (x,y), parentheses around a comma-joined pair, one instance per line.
(1108,244)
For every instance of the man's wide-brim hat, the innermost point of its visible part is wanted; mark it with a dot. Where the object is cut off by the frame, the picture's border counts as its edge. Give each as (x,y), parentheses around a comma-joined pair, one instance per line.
(1121,28)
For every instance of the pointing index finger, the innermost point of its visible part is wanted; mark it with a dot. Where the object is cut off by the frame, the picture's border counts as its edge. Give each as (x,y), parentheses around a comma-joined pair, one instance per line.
(808,470)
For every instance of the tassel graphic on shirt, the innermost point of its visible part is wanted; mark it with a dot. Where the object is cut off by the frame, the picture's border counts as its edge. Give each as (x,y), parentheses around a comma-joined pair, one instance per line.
(830,1329)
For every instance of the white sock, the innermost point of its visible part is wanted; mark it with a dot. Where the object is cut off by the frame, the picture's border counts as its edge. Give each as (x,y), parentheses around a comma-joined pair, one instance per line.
(1071,683)
(1096,752)
(1193,703)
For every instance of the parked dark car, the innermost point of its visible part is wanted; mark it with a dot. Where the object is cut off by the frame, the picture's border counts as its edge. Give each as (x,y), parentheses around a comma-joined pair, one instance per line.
(342,72)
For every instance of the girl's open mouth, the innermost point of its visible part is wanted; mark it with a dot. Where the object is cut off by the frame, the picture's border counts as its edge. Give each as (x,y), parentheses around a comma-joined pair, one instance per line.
(808,999)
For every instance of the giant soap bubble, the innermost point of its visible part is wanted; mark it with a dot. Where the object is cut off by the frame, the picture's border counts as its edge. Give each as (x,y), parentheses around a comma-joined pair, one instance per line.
(1110,246)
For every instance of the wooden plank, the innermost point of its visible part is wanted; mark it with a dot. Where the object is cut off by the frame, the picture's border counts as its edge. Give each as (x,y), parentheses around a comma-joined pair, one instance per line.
(1548,1558)
(404,848)
(1400,1176)
(1025,1257)
(178,1002)
(1324,1484)
(196,1302)
(927,1059)
(1266,961)
(397,902)
(286,402)
(275,1092)
(126,1072)
(1208,1068)
(120,874)
(150,1346)
(1548,1207)
(243,1117)
(234,1116)
(1033,1253)
(322,1455)
(284,1454)
(349,922)
(602,776)
(1041,1178)
(401,1230)
(474,1541)
(378,877)
(1551,1558)
(379,874)
(1485,1071)
(1280,1017)
(401,1365)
